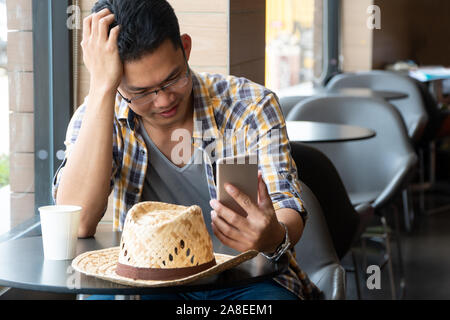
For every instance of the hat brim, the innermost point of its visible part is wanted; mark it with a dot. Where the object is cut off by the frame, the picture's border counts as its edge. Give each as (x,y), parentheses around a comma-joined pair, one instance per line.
(102,264)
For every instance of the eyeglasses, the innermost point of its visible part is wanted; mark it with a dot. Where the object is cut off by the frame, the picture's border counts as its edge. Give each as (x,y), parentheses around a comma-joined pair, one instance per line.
(147,97)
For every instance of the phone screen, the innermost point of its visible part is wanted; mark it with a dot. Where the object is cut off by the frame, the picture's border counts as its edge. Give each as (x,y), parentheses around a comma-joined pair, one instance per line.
(241,172)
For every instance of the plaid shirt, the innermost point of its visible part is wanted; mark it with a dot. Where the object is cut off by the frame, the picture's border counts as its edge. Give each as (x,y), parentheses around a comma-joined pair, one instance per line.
(231,116)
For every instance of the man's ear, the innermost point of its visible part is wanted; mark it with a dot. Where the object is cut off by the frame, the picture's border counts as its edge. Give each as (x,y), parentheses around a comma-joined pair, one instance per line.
(186,41)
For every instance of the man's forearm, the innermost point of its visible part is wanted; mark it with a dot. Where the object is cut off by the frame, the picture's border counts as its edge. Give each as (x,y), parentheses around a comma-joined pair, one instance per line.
(293,221)
(85,180)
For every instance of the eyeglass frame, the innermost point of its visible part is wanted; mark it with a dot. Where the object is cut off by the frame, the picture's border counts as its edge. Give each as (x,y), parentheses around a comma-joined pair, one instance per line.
(162,88)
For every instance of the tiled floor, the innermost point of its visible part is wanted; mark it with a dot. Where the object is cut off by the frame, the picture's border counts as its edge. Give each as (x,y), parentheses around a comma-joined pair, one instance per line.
(426,258)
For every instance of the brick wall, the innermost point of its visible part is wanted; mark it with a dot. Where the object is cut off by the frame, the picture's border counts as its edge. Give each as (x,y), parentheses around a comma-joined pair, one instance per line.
(20,74)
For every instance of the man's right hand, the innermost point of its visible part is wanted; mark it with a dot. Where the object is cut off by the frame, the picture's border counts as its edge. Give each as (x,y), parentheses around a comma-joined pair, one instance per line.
(100,52)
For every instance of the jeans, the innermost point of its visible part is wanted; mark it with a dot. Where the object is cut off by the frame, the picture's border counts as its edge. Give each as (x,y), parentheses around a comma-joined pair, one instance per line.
(266,290)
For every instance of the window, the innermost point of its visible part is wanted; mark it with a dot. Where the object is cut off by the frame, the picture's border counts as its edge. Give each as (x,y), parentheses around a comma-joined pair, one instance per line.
(301,37)
(35,76)
(16,115)
(293,42)
(5,220)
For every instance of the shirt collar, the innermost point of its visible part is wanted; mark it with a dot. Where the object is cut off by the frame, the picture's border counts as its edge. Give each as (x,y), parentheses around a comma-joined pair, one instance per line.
(205,126)
(124,113)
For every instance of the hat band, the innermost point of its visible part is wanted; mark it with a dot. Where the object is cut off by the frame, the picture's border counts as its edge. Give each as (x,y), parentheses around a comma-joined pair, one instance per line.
(161,273)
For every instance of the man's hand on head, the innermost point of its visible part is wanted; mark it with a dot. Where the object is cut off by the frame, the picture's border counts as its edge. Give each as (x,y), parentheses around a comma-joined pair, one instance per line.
(100,51)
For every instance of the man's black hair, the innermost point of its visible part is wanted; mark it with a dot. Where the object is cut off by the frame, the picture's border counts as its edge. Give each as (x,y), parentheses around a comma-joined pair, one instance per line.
(144,25)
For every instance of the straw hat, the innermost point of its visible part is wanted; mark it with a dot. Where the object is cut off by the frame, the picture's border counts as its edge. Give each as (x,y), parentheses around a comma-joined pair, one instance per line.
(162,245)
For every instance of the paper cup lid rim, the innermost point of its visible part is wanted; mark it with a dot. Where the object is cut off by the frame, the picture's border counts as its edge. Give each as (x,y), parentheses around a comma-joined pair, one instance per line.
(56,208)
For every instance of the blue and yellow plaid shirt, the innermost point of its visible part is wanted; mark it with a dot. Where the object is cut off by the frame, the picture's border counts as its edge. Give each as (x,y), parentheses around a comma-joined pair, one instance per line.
(232,116)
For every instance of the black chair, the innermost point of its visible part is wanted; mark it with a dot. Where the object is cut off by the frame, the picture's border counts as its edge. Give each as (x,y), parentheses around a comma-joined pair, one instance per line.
(315,251)
(345,222)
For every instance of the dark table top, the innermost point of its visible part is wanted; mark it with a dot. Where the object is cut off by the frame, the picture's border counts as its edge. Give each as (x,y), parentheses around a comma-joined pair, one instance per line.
(22,265)
(302,92)
(311,131)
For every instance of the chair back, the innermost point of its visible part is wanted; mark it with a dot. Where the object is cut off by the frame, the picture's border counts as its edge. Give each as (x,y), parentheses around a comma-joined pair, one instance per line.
(412,108)
(288,102)
(320,175)
(371,169)
(315,252)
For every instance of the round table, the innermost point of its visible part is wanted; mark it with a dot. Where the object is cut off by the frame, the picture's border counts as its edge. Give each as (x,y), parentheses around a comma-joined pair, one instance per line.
(22,265)
(312,131)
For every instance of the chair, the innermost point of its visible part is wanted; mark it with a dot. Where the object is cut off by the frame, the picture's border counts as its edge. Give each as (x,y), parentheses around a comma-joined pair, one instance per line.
(412,108)
(315,252)
(373,171)
(288,102)
(345,223)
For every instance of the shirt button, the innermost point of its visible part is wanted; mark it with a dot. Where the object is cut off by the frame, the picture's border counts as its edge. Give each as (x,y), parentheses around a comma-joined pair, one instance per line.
(142,152)
(289,177)
(136,190)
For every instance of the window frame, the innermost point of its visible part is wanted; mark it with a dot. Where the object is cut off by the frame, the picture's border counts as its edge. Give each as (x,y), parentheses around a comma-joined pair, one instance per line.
(330,43)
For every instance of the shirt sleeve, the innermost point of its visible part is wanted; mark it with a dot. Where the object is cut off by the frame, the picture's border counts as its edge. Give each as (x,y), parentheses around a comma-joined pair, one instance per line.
(272,147)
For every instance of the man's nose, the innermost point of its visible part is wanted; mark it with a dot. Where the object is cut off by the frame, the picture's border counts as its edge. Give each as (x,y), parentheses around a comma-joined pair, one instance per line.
(164,98)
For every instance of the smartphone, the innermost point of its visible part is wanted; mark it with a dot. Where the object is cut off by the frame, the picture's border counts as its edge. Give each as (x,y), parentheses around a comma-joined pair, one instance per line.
(241,172)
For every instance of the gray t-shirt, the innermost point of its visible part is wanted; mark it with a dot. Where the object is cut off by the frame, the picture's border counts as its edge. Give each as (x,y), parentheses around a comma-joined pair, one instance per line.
(166,182)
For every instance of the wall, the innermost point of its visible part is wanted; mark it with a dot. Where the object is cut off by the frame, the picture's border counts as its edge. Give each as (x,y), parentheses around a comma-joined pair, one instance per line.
(412,29)
(247,39)
(393,41)
(430,31)
(356,38)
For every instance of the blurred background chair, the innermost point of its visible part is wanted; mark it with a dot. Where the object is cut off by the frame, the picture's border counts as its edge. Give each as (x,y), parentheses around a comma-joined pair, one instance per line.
(373,171)
(288,102)
(315,251)
(345,223)
(413,110)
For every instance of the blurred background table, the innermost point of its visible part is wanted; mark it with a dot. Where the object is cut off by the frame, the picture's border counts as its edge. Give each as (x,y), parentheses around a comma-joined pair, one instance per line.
(311,131)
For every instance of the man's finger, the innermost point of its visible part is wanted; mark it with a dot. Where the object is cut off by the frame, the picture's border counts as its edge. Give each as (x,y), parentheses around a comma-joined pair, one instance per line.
(242,199)
(225,240)
(263,192)
(103,26)
(95,21)
(87,27)
(114,34)
(228,230)
(229,216)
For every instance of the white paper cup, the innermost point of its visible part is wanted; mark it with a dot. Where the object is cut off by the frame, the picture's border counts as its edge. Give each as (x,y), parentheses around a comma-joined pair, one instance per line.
(59,224)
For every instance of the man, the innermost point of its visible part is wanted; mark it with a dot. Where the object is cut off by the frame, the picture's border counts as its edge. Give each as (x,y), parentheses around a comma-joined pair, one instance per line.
(142,91)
